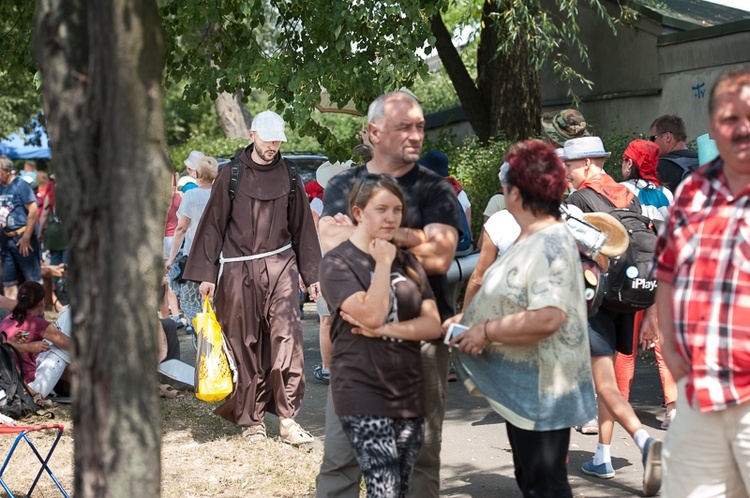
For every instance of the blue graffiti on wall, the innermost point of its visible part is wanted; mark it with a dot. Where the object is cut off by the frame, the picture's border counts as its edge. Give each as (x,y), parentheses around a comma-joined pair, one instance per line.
(699,90)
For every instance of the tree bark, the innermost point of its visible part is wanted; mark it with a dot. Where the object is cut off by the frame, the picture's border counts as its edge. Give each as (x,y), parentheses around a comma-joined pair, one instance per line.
(470,97)
(506,99)
(101,65)
(234,117)
(509,81)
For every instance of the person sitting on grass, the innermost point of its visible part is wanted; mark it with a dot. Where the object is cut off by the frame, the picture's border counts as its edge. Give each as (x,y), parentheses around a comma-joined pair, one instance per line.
(28,331)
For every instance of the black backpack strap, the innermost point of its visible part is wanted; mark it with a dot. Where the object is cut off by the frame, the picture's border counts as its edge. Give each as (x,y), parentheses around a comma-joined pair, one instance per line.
(236,173)
(292,168)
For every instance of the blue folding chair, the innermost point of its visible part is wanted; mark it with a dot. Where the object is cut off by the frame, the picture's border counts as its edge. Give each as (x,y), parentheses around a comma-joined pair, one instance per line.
(22,435)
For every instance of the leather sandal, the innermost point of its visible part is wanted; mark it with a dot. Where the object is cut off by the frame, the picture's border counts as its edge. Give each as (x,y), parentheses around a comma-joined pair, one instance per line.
(291,432)
(255,433)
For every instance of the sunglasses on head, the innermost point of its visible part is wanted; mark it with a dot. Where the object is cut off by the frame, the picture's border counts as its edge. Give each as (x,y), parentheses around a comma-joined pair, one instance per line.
(373,178)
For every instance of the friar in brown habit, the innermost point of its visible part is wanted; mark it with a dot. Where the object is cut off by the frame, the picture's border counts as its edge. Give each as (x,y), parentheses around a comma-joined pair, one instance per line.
(247,254)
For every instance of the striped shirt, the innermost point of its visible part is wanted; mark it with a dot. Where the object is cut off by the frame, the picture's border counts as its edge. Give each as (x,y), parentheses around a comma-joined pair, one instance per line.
(704,252)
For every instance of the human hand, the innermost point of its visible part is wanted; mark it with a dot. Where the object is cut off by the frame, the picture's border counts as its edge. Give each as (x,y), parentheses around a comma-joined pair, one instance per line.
(447,323)
(207,289)
(649,331)
(35,347)
(359,329)
(343,220)
(678,366)
(315,291)
(382,251)
(472,341)
(24,245)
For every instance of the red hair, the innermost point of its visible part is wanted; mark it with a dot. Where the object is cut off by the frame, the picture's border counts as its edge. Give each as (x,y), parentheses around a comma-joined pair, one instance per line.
(539,174)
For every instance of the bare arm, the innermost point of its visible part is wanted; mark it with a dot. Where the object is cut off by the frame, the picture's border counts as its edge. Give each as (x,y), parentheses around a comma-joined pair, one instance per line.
(519,329)
(487,256)
(332,233)
(370,308)
(434,246)
(7,304)
(24,243)
(57,338)
(425,327)
(678,365)
(44,217)
(183,223)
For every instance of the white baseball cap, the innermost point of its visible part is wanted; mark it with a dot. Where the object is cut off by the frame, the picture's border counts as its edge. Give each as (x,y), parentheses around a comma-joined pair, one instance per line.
(269,126)
(192,159)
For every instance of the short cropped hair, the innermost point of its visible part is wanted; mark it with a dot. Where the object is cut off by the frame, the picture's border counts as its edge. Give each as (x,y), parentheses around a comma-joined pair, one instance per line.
(538,173)
(740,77)
(5,163)
(376,111)
(673,124)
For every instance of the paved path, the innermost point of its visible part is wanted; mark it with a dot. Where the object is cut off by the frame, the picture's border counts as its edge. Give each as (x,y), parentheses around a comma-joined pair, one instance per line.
(476,457)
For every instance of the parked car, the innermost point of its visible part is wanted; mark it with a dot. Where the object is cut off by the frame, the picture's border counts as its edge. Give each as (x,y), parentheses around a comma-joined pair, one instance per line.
(307,162)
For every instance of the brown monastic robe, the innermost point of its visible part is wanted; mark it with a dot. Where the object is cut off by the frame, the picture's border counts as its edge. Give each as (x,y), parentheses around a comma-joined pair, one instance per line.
(257,302)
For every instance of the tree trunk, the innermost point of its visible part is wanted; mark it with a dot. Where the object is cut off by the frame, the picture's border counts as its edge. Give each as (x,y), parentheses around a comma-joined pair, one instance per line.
(234,116)
(506,99)
(101,65)
(471,98)
(508,81)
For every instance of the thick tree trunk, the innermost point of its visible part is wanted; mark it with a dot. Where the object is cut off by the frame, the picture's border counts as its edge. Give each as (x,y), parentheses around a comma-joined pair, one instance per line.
(234,116)
(471,98)
(506,99)
(508,81)
(101,65)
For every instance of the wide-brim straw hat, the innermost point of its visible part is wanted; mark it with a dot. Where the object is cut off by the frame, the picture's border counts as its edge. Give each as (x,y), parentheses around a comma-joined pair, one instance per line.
(617,237)
(328,170)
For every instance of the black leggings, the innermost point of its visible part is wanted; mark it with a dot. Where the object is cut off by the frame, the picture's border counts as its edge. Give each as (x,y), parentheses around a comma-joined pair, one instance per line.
(386,449)
(540,461)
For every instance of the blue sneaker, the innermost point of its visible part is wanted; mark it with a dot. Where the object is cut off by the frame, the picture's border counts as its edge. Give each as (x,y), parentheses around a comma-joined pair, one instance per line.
(651,467)
(322,375)
(602,471)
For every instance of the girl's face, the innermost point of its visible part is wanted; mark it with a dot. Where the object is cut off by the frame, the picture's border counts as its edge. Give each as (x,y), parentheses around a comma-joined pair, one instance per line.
(381,216)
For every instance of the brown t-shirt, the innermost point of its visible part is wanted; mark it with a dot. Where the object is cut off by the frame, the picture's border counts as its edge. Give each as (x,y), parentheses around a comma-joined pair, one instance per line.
(381,377)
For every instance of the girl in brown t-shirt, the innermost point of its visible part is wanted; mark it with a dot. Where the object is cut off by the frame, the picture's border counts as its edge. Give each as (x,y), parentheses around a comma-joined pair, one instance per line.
(381,306)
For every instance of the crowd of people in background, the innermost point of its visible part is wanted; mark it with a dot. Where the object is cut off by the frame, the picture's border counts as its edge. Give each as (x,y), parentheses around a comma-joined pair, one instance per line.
(548,330)
(543,341)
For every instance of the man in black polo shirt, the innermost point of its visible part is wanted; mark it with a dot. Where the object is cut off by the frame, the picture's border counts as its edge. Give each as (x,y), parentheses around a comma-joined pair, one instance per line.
(430,231)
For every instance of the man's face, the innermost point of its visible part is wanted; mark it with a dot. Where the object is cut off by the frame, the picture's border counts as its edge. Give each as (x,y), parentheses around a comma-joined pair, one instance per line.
(730,126)
(5,176)
(265,150)
(400,134)
(577,171)
(660,139)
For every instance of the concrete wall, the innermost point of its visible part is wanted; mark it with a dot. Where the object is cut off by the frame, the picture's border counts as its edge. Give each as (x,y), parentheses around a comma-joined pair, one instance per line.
(640,73)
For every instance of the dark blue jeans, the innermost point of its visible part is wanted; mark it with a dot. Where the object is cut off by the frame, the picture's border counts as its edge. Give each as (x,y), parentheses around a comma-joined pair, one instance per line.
(18,268)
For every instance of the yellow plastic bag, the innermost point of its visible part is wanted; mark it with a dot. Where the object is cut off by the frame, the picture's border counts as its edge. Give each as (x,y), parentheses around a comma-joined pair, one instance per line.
(215,373)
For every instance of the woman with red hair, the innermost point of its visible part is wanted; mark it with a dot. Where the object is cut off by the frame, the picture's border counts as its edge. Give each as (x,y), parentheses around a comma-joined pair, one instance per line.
(639,170)
(527,348)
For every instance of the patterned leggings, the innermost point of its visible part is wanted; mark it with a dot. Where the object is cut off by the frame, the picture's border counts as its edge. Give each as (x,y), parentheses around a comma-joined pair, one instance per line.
(190,299)
(386,449)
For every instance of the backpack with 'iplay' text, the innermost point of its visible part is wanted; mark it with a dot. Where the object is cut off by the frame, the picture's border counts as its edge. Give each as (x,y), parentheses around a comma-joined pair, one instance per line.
(630,285)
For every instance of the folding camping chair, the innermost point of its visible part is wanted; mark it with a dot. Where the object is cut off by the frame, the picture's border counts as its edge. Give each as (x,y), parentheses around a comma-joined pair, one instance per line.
(22,432)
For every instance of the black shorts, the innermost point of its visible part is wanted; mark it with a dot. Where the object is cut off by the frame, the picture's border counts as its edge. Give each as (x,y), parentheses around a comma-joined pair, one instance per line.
(610,332)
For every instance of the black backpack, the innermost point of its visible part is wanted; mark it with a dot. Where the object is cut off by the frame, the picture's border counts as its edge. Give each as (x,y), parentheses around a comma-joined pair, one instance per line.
(18,401)
(686,163)
(630,285)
